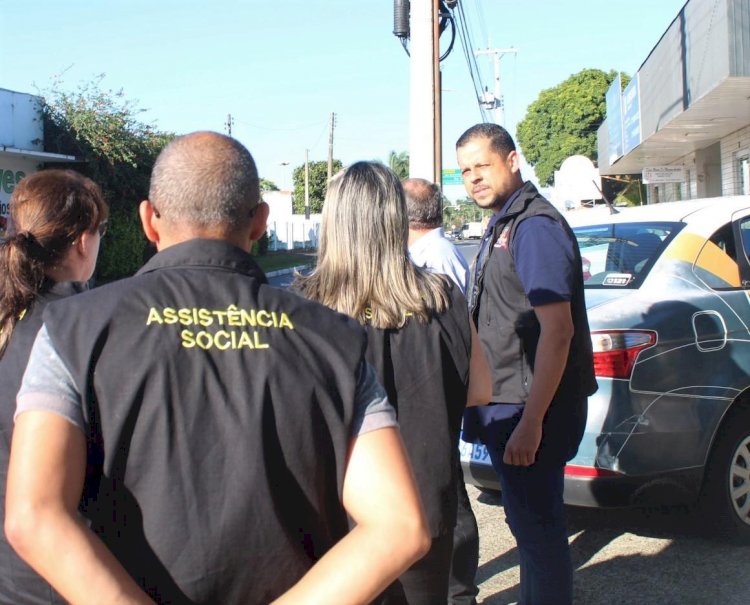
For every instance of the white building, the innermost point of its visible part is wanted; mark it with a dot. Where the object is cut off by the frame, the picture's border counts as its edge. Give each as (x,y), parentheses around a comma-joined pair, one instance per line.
(683,122)
(21,144)
(289,231)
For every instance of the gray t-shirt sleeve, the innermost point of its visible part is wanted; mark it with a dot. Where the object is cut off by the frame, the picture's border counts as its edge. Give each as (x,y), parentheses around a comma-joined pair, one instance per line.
(47,384)
(372,409)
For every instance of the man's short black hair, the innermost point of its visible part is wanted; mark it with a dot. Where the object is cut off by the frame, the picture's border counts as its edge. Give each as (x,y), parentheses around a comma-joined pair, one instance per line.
(500,139)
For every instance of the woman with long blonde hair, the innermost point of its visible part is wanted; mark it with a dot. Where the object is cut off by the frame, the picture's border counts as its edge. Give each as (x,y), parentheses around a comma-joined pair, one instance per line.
(56,220)
(420,341)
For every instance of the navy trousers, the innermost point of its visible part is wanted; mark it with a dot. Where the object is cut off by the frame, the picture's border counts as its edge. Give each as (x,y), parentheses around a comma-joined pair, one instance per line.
(534,510)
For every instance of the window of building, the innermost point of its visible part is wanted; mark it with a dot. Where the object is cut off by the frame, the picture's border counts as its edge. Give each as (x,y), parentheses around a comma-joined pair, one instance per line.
(686,186)
(743,172)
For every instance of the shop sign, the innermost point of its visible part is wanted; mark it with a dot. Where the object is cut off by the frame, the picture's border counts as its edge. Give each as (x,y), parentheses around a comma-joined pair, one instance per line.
(663,174)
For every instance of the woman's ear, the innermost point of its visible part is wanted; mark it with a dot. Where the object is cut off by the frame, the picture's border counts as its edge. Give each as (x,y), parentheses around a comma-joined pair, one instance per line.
(84,242)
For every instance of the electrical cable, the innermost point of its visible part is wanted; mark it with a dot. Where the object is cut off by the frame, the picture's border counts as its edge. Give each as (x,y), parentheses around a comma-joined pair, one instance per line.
(467,46)
(446,18)
(465,38)
(472,56)
(482,21)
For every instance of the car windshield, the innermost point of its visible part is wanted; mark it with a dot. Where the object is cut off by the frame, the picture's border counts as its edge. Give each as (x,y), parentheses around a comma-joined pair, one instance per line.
(620,255)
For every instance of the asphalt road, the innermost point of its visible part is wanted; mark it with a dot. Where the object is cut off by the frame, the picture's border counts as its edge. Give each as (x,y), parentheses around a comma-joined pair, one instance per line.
(467,248)
(653,557)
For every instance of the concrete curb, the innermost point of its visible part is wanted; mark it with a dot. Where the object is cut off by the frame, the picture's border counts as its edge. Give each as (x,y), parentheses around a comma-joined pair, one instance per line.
(288,270)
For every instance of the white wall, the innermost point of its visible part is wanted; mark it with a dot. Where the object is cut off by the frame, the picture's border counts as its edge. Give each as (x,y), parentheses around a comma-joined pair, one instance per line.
(20,128)
(20,122)
(295,233)
(289,231)
(733,147)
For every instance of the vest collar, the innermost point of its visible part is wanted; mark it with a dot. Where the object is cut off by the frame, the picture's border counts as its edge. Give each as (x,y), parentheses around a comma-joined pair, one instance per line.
(62,289)
(519,200)
(205,253)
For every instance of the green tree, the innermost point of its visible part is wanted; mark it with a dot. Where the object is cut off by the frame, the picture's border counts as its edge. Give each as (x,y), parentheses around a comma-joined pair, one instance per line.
(318,185)
(399,163)
(102,127)
(464,211)
(563,121)
(266,185)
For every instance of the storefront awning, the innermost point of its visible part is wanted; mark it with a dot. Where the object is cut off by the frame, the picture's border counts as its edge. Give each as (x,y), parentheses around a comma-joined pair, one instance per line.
(720,112)
(41,156)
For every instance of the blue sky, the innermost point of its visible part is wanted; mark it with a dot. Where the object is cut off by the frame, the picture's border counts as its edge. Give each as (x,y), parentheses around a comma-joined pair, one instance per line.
(280,67)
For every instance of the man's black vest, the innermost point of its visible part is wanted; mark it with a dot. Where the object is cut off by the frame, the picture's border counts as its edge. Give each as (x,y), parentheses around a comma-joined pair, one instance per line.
(425,370)
(507,325)
(219,415)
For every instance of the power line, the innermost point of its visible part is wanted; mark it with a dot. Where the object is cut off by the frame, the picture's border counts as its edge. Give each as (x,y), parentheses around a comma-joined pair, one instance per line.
(290,129)
(467,47)
(482,21)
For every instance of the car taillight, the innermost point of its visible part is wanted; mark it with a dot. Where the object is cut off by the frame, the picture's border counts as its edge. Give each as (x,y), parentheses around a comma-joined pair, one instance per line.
(615,351)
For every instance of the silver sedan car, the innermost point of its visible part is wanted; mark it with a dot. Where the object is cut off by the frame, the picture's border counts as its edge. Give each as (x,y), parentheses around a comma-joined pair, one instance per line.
(668,298)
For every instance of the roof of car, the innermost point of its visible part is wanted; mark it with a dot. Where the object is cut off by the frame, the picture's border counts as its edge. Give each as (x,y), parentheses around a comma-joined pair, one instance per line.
(666,211)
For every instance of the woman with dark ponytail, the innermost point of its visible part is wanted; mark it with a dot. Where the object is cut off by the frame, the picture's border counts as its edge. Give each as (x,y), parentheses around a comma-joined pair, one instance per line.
(57,218)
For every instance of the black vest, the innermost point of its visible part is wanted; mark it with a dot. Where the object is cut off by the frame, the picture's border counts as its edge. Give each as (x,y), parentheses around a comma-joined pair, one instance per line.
(506,322)
(425,370)
(18,582)
(219,413)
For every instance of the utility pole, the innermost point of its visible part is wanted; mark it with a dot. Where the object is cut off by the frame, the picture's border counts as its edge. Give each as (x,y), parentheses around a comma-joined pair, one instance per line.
(230,121)
(437,121)
(330,145)
(422,90)
(495,100)
(307,186)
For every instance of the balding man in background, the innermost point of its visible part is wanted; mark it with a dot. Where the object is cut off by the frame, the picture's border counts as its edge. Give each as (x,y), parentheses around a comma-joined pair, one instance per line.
(216,434)
(429,248)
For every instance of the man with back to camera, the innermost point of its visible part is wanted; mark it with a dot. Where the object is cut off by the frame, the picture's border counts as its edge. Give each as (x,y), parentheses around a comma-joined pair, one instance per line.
(165,406)
(429,248)
(527,300)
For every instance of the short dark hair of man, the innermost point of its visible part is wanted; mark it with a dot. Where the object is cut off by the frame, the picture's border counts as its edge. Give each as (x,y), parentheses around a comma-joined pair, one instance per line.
(500,139)
(424,204)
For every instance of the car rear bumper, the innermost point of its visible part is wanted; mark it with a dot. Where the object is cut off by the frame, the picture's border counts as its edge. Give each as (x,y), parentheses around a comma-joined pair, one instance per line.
(674,487)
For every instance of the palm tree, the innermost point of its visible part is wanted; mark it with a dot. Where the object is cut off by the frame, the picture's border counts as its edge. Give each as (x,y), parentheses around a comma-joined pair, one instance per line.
(399,163)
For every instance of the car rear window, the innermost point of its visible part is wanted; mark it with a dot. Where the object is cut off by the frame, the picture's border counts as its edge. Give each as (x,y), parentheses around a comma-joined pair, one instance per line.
(620,255)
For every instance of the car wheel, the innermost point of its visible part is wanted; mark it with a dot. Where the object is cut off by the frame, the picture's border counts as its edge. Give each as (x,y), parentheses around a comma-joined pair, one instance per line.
(725,496)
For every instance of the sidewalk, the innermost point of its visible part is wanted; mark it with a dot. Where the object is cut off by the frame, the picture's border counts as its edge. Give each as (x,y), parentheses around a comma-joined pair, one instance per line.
(288,270)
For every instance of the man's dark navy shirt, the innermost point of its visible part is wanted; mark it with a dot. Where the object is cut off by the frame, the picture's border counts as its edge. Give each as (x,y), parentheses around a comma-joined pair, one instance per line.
(544,259)
(543,255)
